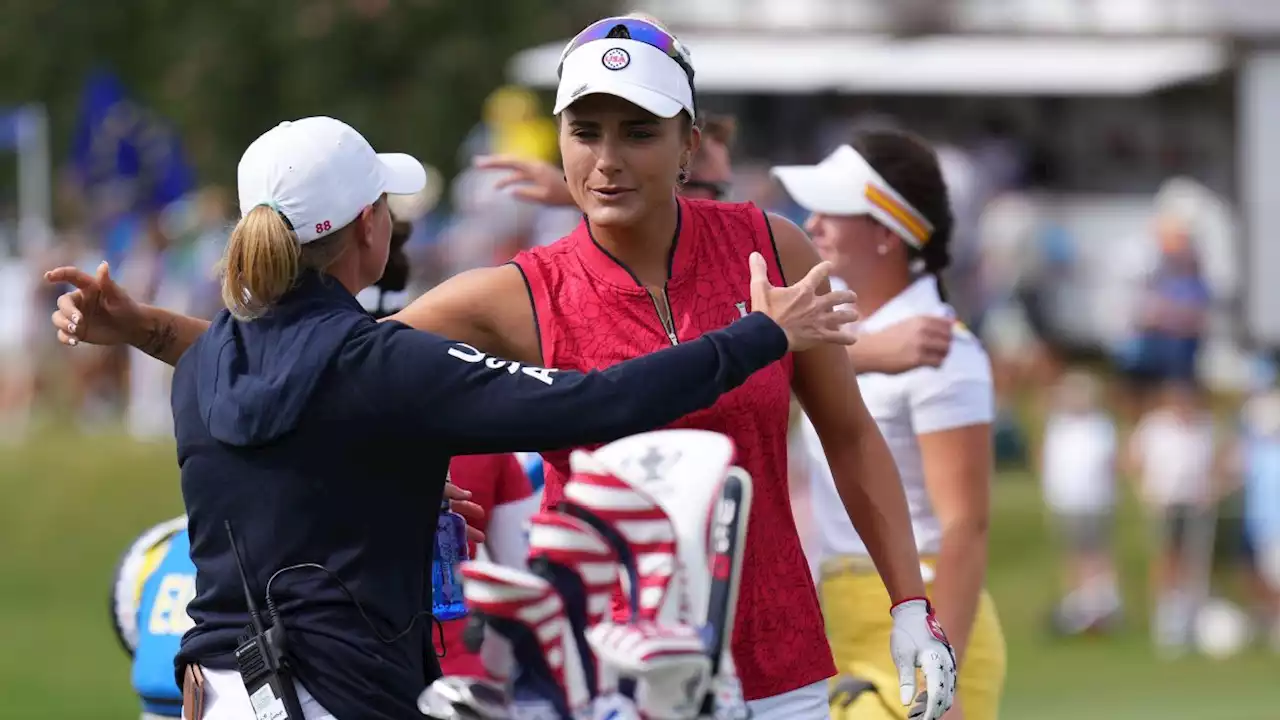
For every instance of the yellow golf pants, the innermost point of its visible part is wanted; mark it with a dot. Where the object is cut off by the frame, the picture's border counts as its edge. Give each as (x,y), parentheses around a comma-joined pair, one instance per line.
(856,608)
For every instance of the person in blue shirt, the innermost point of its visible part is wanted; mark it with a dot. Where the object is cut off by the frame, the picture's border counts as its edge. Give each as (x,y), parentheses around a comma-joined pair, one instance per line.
(1173,312)
(323,436)
(151,587)
(1257,460)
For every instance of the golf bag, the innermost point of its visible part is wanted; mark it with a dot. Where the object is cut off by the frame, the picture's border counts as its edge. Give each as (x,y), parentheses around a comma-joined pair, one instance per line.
(654,524)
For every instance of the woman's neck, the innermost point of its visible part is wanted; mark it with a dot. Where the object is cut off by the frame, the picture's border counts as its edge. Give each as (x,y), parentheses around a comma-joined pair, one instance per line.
(347,272)
(645,247)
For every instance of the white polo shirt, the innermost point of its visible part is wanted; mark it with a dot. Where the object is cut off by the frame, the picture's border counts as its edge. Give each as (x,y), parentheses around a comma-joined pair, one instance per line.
(1078,462)
(1177,457)
(917,402)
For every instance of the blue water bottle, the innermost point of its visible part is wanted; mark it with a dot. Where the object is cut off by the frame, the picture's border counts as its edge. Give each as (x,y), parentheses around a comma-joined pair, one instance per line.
(451,550)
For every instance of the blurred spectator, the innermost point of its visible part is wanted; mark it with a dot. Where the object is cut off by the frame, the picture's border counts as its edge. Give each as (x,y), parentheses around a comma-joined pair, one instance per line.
(393,290)
(489,225)
(99,370)
(213,221)
(1172,312)
(19,288)
(711,171)
(513,123)
(963,185)
(429,218)
(389,295)
(1078,476)
(1171,454)
(1010,318)
(1001,157)
(1255,460)
(1008,264)
(149,272)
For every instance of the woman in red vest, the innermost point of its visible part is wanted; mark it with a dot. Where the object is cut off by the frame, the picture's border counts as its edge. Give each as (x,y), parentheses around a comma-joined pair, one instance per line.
(646,269)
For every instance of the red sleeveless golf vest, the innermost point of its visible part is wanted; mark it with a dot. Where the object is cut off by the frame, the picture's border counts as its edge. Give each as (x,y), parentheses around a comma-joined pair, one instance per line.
(592,312)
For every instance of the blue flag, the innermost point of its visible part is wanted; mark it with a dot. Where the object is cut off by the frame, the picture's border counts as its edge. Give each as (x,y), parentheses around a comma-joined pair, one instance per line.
(121,144)
(10,128)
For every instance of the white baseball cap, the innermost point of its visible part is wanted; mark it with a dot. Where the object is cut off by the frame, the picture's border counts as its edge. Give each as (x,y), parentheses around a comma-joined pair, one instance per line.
(845,184)
(319,174)
(632,70)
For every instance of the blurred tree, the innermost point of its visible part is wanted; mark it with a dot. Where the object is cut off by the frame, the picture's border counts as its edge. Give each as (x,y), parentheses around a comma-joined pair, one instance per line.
(410,74)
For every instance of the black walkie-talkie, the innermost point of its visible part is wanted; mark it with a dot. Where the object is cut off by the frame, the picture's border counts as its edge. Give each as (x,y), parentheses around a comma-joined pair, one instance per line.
(261,659)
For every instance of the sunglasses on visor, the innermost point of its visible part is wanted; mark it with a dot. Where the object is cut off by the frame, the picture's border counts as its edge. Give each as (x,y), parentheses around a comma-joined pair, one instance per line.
(621,28)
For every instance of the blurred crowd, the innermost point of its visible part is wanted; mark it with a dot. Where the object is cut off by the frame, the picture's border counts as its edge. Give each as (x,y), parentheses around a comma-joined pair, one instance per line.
(1099,356)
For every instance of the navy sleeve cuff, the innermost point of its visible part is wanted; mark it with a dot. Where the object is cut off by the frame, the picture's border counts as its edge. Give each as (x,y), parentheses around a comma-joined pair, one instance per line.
(761,338)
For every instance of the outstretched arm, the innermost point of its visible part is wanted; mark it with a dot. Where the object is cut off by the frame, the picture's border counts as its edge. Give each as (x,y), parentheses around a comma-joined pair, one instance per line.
(475,307)
(478,403)
(487,308)
(165,335)
(100,312)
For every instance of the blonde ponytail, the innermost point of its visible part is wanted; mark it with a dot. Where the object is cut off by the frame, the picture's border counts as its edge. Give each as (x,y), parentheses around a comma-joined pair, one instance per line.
(260,263)
(263,259)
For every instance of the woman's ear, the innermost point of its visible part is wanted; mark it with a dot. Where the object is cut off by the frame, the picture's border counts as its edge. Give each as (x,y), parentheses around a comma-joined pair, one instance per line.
(891,240)
(364,224)
(692,141)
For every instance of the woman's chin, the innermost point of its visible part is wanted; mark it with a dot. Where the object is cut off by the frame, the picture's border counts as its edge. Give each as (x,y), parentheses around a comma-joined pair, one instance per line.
(609,216)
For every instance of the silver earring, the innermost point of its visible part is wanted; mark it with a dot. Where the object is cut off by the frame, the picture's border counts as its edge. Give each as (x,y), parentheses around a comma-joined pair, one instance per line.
(683,177)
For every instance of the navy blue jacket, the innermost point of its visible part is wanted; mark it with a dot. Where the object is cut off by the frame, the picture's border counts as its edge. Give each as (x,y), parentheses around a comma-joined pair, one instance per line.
(324,437)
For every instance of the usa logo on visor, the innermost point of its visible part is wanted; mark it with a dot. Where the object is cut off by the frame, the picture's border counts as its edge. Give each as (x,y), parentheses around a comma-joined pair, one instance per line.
(615,58)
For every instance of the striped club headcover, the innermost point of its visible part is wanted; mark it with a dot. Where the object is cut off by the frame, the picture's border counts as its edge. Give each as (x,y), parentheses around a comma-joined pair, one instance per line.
(572,543)
(648,538)
(583,568)
(528,612)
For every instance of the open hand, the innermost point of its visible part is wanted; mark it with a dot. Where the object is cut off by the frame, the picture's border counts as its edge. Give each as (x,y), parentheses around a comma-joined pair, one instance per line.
(806,317)
(530,180)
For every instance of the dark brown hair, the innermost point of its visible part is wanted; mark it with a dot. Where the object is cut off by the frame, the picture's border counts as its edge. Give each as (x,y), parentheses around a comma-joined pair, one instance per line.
(909,164)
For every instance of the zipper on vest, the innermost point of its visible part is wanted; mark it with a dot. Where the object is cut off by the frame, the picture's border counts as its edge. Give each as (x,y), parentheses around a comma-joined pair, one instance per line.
(662,303)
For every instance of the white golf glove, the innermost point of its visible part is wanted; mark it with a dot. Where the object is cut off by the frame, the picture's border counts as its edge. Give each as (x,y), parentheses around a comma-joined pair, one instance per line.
(917,641)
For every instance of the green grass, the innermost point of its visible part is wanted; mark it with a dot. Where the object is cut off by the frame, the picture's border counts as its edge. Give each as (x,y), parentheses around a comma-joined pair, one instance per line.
(71,504)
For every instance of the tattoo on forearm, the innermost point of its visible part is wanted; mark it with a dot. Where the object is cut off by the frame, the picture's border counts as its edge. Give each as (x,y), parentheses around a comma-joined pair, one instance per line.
(159,338)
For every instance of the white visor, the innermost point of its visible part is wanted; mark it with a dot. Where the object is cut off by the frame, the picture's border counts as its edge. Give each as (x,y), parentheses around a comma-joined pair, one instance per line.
(845,184)
(319,174)
(634,71)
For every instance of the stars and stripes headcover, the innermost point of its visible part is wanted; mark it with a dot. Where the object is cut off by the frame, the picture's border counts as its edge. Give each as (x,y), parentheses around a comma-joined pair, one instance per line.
(528,611)
(683,473)
(685,478)
(583,568)
(635,524)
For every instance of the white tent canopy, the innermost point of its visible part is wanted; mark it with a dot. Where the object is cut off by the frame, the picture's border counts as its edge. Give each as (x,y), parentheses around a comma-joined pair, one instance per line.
(939,65)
